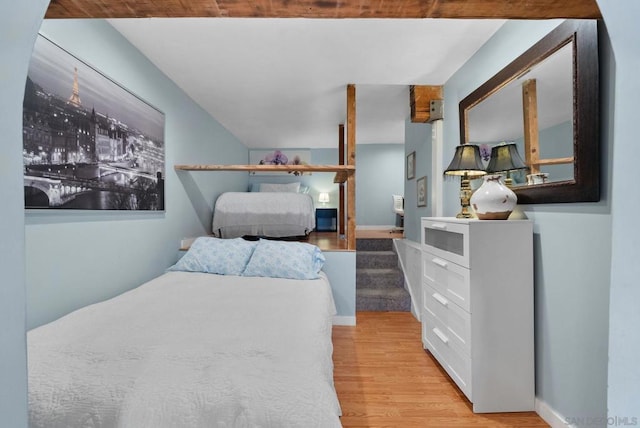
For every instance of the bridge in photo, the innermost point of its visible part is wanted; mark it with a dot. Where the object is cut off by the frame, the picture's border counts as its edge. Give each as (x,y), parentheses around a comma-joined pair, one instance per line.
(61,188)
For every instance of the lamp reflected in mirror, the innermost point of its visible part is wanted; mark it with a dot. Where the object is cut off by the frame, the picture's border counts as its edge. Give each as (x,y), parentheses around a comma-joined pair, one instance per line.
(505,158)
(467,164)
(323,198)
(547,102)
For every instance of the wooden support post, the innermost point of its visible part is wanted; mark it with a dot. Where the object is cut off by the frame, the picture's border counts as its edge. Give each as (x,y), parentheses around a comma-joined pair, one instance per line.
(531,137)
(351,160)
(341,212)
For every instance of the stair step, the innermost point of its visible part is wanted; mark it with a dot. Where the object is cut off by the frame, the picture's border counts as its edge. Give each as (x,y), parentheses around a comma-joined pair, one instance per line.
(379,278)
(383,300)
(379,282)
(376,259)
(370,244)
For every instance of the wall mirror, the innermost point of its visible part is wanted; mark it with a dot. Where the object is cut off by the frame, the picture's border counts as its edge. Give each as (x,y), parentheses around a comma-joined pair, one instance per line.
(546,101)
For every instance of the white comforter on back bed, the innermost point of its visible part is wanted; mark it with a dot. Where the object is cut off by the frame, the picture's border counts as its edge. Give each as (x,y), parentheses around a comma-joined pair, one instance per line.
(190,350)
(272,214)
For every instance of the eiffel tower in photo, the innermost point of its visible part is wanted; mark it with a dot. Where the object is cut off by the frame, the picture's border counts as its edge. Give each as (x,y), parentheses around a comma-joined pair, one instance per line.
(75,95)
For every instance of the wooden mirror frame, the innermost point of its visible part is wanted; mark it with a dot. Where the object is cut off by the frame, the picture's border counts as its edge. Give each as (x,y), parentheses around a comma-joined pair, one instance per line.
(585,186)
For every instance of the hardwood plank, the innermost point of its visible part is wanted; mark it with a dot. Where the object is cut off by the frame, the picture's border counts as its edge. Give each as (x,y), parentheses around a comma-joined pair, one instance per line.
(384,378)
(504,9)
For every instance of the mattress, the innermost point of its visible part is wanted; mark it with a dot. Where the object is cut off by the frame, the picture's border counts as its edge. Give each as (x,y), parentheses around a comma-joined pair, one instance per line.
(190,350)
(269,214)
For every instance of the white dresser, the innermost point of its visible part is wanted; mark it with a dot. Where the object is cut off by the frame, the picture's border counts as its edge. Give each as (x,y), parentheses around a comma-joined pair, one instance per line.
(477,314)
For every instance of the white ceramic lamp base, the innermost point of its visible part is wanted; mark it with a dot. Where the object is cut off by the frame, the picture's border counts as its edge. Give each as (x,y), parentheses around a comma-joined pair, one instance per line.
(493,200)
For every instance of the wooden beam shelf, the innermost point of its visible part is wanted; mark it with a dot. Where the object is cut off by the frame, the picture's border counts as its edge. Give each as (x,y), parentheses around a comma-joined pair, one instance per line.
(342,171)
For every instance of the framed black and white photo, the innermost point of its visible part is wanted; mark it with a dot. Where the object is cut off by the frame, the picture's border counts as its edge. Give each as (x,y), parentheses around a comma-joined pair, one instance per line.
(411,165)
(421,191)
(88,143)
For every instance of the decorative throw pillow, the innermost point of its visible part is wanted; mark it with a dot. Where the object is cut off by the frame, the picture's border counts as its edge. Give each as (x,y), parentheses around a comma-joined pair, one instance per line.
(215,255)
(279,259)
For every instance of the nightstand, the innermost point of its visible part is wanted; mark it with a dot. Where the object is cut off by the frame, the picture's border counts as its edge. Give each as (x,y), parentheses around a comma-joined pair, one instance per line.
(326,219)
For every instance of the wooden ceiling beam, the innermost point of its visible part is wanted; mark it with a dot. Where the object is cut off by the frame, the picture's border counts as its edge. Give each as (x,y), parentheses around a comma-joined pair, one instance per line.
(420,97)
(499,9)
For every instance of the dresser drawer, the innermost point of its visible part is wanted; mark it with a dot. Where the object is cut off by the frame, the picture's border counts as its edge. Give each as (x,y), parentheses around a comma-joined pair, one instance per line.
(456,321)
(447,278)
(437,339)
(446,239)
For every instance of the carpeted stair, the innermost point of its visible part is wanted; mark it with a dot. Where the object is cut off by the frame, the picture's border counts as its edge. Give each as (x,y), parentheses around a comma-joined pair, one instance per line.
(379,281)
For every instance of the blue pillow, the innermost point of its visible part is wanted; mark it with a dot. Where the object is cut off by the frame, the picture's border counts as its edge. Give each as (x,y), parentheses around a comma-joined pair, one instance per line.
(215,255)
(278,259)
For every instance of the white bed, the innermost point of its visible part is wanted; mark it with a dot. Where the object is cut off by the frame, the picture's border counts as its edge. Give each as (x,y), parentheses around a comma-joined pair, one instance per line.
(190,350)
(268,214)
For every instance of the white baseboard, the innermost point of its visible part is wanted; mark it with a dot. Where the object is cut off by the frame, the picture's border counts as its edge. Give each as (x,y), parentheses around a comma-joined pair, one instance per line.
(379,227)
(344,320)
(550,415)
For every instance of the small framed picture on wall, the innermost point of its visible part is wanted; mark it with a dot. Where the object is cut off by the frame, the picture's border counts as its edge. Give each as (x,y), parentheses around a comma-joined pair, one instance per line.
(421,191)
(411,165)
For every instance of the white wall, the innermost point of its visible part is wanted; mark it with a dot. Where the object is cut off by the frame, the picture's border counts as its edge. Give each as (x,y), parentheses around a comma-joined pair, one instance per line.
(75,258)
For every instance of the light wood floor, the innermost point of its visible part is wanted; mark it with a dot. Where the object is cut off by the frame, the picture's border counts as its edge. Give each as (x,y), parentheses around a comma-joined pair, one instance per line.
(331,241)
(385,379)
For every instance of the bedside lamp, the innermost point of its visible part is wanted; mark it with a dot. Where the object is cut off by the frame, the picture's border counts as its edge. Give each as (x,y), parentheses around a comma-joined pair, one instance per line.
(505,158)
(467,164)
(323,198)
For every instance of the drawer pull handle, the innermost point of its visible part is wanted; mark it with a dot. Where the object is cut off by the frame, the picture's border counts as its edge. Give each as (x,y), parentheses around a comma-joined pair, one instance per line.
(440,298)
(441,335)
(440,262)
(441,226)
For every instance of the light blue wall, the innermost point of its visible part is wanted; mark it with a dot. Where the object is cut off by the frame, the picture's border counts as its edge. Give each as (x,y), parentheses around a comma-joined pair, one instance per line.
(379,174)
(316,181)
(621,17)
(555,142)
(19,23)
(77,258)
(572,248)
(340,267)
(417,138)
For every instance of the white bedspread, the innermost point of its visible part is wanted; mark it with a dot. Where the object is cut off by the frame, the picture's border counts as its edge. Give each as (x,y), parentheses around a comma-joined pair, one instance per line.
(190,350)
(273,214)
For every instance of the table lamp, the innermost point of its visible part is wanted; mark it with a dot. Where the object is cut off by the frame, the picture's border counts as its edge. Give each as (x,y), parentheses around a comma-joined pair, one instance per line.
(323,197)
(505,158)
(467,164)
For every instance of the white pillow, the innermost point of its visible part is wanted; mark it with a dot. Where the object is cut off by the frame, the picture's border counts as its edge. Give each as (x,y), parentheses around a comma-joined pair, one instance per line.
(273,187)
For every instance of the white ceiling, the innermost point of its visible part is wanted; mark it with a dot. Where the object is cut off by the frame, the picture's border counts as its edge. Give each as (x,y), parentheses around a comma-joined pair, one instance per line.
(281,83)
